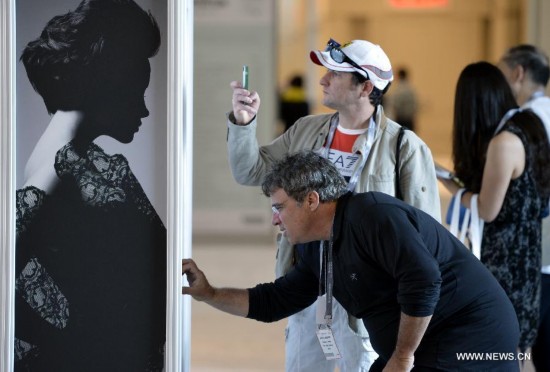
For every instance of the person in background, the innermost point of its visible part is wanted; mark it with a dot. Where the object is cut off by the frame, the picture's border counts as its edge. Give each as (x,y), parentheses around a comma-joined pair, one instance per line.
(526,69)
(361,141)
(293,103)
(403,100)
(502,154)
(423,297)
(90,250)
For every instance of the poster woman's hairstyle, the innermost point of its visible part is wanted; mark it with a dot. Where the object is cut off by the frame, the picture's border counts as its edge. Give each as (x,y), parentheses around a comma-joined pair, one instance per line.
(79,49)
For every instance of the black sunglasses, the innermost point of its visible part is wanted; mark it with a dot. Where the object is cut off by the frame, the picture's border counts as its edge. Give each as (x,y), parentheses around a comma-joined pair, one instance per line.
(333,47)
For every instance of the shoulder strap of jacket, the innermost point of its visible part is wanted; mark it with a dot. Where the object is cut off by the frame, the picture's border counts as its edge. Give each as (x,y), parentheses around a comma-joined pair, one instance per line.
(398,193)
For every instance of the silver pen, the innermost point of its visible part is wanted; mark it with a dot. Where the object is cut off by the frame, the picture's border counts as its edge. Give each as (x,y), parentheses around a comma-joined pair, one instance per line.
(245,77)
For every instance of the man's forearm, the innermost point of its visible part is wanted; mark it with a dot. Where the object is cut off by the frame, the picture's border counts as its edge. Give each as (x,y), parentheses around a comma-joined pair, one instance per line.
(243,153)
(230,300)
(411,331)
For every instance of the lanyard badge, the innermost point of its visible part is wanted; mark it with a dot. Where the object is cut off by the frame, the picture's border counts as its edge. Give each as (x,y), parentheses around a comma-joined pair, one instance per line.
(328,345)
(324,305)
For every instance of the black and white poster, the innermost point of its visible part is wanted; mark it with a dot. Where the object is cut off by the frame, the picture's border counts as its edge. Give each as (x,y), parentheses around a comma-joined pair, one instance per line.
(90,200)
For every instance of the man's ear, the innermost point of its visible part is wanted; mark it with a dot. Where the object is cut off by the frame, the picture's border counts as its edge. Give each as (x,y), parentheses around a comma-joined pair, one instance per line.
(518,73)
(312,200)
(367,88)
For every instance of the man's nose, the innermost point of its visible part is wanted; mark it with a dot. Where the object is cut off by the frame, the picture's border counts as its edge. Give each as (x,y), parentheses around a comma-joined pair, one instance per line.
(275,218)
(324,79)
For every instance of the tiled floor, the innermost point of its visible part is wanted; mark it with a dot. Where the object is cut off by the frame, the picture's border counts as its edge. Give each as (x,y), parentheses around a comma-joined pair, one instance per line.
(223,342)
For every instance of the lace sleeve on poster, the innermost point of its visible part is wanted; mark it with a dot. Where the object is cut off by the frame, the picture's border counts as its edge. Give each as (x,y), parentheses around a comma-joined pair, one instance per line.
(28,202)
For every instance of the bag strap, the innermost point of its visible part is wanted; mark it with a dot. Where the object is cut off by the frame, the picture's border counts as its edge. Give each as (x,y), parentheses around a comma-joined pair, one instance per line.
(398,193)
(455,215)
(470,220)
(476,228)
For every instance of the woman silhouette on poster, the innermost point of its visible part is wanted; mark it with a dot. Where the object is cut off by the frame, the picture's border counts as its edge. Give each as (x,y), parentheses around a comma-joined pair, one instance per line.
(91,250)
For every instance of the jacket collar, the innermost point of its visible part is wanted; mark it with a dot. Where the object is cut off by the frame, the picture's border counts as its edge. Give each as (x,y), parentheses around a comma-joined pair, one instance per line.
(381,122)
(339,215)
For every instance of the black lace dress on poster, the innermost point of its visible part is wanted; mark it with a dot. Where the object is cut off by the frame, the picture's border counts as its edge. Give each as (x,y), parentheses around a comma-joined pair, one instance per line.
(511,247)
(90,270)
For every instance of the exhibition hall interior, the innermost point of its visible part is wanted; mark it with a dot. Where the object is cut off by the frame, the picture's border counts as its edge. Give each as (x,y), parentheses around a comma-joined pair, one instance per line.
(433,40)
(228,226)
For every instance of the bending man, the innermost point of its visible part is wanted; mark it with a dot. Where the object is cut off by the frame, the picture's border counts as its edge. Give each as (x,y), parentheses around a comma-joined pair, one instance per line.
(425,300)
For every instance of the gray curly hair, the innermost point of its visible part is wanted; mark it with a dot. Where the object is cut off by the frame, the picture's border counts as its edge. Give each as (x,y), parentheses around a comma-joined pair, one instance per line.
(300,173)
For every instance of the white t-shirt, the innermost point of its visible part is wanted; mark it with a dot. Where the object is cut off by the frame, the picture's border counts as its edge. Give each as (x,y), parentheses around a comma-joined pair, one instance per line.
(541,107)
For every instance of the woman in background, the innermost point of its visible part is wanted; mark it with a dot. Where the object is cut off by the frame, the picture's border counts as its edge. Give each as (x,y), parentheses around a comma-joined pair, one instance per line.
(91,250)
(507,165)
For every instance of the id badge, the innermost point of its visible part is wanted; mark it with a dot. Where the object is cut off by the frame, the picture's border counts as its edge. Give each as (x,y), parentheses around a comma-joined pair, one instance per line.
(328,345)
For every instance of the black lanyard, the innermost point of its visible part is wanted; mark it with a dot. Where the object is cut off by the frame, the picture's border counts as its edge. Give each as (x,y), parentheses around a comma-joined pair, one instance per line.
(326,275)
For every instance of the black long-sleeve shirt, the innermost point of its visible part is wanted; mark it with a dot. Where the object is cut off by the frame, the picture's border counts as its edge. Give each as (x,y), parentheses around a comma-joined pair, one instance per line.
(390,258)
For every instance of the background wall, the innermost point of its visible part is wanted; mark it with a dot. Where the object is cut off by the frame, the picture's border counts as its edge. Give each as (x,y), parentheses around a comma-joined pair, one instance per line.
(275,37)
(228,35)
(435,43)
(535,22)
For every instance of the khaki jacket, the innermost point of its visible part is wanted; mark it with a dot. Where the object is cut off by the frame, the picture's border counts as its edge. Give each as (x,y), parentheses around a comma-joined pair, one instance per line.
(250,162)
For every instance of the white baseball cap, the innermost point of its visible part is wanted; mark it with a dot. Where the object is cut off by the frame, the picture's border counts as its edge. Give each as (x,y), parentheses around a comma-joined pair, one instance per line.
(363,57)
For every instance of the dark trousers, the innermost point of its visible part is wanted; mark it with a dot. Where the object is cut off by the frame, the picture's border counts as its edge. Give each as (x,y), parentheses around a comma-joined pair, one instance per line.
(541,348)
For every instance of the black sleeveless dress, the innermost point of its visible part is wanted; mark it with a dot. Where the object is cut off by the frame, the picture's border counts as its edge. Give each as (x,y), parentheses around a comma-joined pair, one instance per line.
(511,246)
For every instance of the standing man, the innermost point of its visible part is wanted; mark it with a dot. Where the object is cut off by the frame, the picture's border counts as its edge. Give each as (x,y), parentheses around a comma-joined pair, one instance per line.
(527,70)
(425,299)
(293,102)
(361,142)
(404,101)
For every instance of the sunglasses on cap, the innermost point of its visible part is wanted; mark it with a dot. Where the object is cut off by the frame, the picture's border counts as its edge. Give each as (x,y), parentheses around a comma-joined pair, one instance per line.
(333,47)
